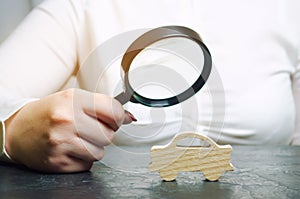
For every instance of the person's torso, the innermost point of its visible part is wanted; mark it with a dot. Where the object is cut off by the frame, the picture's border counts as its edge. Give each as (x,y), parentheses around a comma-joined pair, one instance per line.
(252,50)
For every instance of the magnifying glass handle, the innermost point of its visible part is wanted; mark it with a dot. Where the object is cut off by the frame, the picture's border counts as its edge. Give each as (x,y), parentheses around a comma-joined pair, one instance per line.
(123,98)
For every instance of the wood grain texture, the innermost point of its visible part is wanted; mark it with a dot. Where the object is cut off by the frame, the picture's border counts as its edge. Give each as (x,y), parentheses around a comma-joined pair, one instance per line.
(212,160)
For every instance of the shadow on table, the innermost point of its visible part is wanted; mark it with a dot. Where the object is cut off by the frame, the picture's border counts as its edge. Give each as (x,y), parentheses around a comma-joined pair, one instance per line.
(205,189)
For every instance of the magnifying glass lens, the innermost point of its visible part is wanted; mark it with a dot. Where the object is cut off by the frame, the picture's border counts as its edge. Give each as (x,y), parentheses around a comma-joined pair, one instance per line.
(166,68)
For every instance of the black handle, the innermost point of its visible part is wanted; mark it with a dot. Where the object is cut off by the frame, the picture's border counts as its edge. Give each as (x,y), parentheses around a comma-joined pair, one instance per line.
(122,98)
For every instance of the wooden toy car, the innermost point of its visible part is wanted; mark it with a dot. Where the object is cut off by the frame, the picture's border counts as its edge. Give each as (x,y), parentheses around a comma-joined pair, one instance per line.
(212,159)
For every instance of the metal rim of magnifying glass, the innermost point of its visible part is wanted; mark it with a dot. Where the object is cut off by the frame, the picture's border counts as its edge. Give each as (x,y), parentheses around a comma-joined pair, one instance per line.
(151,37)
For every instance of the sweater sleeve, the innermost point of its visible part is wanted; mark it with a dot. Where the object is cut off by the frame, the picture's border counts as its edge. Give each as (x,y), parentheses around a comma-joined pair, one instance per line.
(296,93)
(38,57)
(293,20)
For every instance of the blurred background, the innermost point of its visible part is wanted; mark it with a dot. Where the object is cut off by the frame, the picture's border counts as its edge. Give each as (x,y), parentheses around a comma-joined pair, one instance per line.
(12,12)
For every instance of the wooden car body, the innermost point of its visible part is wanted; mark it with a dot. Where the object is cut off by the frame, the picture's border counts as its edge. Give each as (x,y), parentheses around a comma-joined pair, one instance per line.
(170,159)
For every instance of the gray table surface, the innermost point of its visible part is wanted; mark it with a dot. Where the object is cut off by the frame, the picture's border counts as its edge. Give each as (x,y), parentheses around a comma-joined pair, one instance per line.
(260,172)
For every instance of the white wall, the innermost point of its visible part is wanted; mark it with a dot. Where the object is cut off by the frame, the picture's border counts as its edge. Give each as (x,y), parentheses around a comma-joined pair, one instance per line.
(11,14)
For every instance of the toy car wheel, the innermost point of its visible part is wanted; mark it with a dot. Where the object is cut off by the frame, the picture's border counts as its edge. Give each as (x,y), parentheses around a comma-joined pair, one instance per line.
(212,176)
(167,176)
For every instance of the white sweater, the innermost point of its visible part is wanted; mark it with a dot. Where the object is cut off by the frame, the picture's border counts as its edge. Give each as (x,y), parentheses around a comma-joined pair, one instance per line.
(254,45)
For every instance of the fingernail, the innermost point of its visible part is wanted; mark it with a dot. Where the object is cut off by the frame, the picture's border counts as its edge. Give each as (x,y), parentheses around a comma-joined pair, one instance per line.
(131,116)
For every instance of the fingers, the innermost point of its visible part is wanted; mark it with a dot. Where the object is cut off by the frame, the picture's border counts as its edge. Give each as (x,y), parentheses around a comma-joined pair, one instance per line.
(106,109)
(77,165)
(66,131)
(95,118)
(75,155)
(93,131)
(67,164)
(86,151)
(110,111)
(95,124)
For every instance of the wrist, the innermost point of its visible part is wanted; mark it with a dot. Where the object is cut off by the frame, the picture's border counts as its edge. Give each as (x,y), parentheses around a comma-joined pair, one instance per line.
(2,138)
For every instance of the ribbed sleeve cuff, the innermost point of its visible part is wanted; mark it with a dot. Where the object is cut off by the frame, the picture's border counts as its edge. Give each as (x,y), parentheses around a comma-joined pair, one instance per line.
(2,138)
(3,155)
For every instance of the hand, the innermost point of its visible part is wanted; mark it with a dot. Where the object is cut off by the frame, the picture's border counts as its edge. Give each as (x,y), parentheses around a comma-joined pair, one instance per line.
(65,131)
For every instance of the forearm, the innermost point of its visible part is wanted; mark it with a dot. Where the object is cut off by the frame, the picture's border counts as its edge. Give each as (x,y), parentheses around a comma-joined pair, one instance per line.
(37,58)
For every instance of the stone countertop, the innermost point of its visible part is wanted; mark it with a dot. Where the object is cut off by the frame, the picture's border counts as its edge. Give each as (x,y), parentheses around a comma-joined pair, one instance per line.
(260,172)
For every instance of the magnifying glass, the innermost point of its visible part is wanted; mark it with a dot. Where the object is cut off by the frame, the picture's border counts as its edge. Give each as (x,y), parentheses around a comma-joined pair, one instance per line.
(164,66)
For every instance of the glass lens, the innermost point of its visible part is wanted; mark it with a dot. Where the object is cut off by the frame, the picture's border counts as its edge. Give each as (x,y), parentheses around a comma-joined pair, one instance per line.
(166,68)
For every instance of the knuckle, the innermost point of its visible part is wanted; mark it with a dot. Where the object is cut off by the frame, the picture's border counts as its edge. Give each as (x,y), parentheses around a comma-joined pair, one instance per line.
(68,94)
(60,116)
(55,140)
(56,163)
(60,108)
